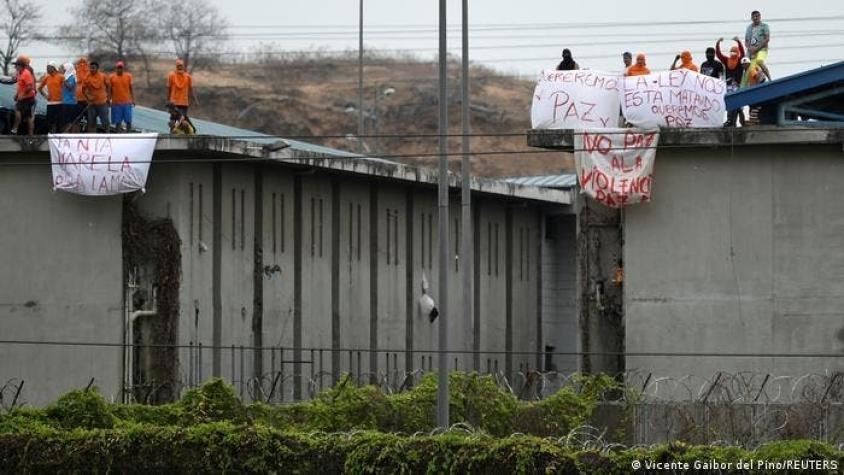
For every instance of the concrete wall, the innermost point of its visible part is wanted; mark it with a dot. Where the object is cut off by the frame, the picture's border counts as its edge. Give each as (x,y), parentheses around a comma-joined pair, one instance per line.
(337,266)
(559,283)
(61,278)
(740,251)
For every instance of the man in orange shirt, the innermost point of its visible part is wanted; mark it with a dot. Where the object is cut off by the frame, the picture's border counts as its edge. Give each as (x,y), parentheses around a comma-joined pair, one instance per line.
(97,94)
(24,96)
(122,97)
(53,81)
(180,89)
(81,107)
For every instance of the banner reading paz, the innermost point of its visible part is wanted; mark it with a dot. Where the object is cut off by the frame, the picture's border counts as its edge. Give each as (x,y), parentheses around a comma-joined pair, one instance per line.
(679,98)
(615,167)
(574,100)
(100,165)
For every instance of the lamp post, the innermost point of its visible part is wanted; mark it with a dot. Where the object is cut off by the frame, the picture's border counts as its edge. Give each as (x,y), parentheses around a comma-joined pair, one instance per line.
(360,79)
(442,297)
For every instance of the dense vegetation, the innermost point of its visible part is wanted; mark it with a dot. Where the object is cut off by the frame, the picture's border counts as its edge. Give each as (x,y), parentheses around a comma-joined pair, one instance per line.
(347,428)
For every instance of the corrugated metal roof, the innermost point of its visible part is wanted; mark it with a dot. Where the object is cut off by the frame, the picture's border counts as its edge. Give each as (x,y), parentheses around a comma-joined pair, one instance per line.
(567,180)
(783,88)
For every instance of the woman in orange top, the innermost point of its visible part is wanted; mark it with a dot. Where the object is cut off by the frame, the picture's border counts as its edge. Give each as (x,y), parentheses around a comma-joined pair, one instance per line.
(53,81)
(686,62)
(180,89)
(638,69)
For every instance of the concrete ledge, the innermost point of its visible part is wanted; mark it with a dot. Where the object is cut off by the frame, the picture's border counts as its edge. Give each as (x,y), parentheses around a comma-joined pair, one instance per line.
(279,152)
(563,139)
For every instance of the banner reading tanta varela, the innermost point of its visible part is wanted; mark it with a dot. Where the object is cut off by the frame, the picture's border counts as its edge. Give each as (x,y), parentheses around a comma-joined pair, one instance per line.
(615,167)
(101,164)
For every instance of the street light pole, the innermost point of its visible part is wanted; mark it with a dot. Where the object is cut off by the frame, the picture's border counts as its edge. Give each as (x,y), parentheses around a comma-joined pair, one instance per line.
(360,80)
(442,297)
(466,249)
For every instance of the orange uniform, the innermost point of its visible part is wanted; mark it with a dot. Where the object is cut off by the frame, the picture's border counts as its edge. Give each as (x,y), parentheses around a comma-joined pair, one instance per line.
(25,85)
(179,84)
(95,87)
(81,75)
(54,83)
(121,89)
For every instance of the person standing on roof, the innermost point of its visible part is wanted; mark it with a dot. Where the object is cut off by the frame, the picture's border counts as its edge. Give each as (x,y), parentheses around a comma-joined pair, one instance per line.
(733,71)
(69,112)
(686,61)
(640,68)
(180,90)
(627,58)
(756,37)
(53,81)
(568,63)
(24,96)
(122,97)
(96,92)
(712,67)
(82,71)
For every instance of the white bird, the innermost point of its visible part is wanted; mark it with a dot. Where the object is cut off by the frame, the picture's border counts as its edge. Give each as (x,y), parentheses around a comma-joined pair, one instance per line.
(426,303)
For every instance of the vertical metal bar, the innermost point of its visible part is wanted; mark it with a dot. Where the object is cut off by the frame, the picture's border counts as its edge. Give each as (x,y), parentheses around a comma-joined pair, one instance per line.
(297,287)
(373,276)
(283,224)
(217,271)
(442,297)
(199,223)
(191,213)
(335,274)
(360,79)
(242,219)
(467,253)
(258,277)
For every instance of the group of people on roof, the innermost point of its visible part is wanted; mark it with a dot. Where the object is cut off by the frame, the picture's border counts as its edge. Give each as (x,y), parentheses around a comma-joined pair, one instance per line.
(80,94)
(744,67)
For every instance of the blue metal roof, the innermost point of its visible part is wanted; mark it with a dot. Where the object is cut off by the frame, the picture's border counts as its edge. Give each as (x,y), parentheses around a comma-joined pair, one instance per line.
(568,180)
(787,87)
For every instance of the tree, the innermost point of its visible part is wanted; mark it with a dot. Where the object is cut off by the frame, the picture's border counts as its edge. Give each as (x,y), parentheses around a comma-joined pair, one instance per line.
(118,27)
(195,29)
(18,26)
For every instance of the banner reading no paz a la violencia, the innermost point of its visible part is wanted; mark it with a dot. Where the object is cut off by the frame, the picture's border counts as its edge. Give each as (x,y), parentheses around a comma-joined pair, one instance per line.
(615,166)
(101,165)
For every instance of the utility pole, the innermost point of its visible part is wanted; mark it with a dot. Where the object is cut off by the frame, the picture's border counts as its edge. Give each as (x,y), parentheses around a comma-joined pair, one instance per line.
(442,297)
(466,249)
(360,80)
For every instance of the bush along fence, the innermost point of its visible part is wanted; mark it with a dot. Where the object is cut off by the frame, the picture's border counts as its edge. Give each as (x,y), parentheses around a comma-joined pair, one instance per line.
(361,430)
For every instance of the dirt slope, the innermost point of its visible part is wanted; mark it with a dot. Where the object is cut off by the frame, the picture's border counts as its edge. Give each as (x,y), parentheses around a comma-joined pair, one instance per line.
(310,97)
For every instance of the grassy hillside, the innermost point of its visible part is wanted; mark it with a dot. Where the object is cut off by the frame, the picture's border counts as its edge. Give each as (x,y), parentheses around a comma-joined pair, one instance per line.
(309,97)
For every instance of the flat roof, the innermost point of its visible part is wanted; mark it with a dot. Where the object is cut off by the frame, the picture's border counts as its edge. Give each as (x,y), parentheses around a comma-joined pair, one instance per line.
(252,151)
(563,139)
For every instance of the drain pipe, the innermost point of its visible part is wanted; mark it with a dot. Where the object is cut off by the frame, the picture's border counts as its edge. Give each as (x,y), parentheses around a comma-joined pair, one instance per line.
(129,338)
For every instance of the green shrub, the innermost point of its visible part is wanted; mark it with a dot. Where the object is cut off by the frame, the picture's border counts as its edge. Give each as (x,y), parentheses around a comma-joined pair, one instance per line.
(225,447)
(214,401)
(84,409)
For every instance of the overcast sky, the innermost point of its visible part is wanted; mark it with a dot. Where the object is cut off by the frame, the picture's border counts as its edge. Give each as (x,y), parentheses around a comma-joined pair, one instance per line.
(523,37)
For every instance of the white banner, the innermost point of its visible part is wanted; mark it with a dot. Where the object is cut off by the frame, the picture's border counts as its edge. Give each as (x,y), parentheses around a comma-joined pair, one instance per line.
(679,98)
(101,164)
(615,167)
(574,100)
